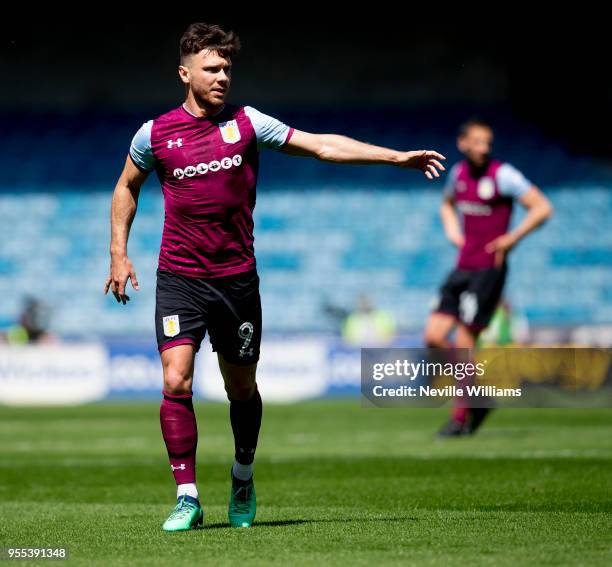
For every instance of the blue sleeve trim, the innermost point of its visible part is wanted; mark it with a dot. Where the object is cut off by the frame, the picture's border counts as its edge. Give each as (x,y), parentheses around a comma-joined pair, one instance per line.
(270,132)
(140,149)
(511,182)
(448,190)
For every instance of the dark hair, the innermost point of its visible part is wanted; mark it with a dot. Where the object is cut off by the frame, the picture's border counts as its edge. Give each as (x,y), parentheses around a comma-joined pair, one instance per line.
(463,129)
(200,36)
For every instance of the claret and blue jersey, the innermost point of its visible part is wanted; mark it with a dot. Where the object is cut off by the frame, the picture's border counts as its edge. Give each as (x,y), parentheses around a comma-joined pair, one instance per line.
(207,168)
(485,202)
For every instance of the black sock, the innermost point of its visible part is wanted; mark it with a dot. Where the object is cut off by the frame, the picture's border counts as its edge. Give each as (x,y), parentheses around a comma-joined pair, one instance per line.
(245,416)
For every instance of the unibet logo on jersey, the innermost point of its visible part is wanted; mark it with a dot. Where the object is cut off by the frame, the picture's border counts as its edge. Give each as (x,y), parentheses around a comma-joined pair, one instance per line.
(172,326)
(203,168)
(229,131)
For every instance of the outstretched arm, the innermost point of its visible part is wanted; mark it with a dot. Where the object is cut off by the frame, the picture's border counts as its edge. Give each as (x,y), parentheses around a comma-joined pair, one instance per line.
(341,149)
(123,211)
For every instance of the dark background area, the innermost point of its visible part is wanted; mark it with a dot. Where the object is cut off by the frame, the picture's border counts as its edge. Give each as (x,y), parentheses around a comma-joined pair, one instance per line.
(550,73)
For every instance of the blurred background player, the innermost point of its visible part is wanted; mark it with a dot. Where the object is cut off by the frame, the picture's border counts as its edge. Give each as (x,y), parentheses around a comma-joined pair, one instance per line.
(33,325)
(206,153)
(368,325)
(483,190)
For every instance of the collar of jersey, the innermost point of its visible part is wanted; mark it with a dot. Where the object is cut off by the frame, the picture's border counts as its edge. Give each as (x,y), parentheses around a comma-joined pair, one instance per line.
(202,117)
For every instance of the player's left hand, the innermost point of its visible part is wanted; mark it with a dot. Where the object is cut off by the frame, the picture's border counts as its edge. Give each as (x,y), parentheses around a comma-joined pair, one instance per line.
(425,160)
(501,246)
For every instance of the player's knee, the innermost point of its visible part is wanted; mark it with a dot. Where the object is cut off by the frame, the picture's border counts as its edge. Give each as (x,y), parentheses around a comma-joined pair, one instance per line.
(243,390)
(434,338)
(177,382)
(466,338)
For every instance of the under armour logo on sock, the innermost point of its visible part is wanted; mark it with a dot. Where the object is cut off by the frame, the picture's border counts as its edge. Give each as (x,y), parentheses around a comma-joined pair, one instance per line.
(181,467)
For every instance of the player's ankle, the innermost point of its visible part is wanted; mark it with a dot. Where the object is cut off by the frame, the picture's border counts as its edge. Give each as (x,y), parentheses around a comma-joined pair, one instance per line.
(189,489)
(242,472)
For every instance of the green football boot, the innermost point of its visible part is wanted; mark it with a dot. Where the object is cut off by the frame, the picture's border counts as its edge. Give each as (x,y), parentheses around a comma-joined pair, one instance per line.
(241,511)
(186,515)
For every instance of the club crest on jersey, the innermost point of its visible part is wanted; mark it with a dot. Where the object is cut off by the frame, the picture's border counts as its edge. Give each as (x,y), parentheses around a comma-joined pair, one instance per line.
(229,131)
(486,188)
(172,326)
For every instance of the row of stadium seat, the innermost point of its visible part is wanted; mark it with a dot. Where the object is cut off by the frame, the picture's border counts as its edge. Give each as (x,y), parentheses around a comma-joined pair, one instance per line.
(316,248)
(84,149)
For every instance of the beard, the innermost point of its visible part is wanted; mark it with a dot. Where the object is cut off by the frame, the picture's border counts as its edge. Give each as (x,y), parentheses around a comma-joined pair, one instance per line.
(209,99)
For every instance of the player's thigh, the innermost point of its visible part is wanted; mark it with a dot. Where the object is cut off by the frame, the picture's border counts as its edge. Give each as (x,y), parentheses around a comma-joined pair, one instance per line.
(178,365)
(438,327)
(239,379)
(180,311)
(234,321)
(482,297)
(446,309)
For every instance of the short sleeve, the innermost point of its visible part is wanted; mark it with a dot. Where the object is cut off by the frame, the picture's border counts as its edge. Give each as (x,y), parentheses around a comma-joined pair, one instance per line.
(140,150)
(511,182)
(448,190)
(270,132)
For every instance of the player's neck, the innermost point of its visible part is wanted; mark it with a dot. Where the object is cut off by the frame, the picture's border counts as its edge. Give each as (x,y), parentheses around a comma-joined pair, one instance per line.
(478,170)
(200,110)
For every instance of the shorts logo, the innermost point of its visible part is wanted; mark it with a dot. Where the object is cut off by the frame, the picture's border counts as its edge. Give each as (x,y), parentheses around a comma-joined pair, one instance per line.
(486,188)
(229,131)
(172,326)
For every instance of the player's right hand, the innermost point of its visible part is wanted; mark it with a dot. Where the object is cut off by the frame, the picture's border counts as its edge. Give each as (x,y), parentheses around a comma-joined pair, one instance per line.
(121,270)
(425,160)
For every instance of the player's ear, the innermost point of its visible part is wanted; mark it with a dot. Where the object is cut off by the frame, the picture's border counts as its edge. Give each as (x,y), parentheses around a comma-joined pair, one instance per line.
(184,74)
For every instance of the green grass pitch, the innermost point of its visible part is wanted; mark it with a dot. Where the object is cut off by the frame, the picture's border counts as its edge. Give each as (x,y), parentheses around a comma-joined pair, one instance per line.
(337,484)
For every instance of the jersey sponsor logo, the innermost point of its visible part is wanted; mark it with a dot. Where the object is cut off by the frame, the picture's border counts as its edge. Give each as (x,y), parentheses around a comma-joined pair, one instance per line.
(204,168)
(172,143)
(172,327)
(474,208)
(230,131)
(486,188)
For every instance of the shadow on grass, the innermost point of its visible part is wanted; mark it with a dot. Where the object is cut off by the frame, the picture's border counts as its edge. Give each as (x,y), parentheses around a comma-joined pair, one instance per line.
(280,523)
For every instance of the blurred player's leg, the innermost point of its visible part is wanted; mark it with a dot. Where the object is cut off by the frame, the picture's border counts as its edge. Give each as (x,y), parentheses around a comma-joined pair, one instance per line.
(465,339)
(180,433)
(465,419)
(245,415)
(437,330)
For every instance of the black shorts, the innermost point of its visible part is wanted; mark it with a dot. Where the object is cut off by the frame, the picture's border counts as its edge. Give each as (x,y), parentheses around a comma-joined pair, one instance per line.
(472,296)
(229,307)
